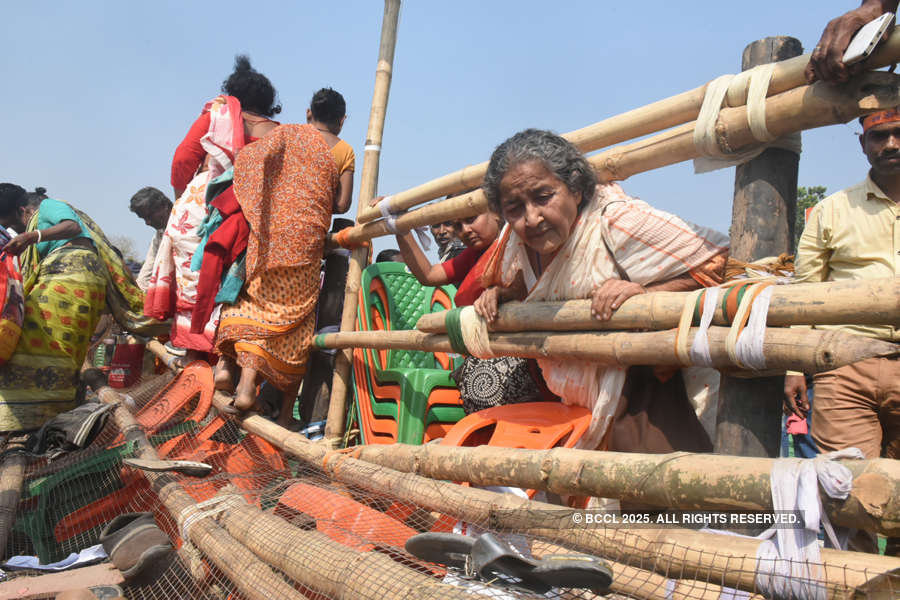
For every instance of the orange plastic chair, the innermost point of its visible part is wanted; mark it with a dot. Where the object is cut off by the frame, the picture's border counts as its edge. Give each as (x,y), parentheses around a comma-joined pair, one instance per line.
(173,403)
(532,425)
(343,519)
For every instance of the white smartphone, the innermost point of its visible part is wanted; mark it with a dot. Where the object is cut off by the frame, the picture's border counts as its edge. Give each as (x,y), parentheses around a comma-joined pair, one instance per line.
(865,40)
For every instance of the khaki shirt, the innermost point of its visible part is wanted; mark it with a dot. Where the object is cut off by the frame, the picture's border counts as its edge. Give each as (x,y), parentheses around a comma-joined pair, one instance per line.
(852,234)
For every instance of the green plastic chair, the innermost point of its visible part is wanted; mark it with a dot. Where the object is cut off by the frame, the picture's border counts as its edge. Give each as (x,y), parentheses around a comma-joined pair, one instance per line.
(52,497)
(392,298)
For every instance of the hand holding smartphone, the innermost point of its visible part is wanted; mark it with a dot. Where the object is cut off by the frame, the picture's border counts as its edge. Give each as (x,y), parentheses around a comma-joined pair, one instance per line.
(865,40)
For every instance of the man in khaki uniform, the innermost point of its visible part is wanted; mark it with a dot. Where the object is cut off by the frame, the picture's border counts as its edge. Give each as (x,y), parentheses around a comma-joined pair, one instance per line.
(855,234)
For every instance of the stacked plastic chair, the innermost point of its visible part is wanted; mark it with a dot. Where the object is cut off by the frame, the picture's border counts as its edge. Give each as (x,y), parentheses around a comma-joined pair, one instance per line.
(404,396)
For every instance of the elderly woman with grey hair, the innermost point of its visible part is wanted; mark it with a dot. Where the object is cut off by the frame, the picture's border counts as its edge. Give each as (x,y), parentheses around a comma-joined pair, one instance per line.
(154,207)
(567,237)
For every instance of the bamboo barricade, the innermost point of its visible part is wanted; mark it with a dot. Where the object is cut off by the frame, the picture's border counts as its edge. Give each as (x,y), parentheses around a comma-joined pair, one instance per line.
(255,579)
(868,302)
(284,547)
(337,408)
(12,474)
(680,480)
(733,563)
(808,350)
(805,107)
(627,579)
(654,117)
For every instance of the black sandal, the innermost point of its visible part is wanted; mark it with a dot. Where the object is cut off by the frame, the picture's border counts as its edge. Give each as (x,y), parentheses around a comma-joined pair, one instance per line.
(491,560)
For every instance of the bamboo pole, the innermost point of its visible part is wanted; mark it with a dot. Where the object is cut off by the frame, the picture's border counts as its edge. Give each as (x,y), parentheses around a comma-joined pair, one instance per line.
(253,578)
(867,302)
(340,385)
(679,480)
(626,579)
(804,107)
(654,117)
(12,475)
(638,583)
(809,350)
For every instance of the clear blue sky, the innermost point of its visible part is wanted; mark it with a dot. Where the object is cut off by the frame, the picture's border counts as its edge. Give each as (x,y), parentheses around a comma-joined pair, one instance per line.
(96,95)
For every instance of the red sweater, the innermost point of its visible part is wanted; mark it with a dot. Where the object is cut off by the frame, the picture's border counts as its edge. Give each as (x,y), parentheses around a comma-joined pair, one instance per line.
(189,154)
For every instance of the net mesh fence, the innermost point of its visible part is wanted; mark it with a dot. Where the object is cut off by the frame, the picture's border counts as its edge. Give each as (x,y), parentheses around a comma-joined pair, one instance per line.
(266,525)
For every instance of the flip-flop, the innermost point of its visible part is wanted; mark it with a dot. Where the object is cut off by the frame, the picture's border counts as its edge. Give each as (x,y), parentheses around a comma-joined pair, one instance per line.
(185,467)
(492,560)
(448,549)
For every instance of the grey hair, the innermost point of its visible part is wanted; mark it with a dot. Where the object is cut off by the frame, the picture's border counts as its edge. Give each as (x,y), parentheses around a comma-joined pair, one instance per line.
(557,154)
(148,199)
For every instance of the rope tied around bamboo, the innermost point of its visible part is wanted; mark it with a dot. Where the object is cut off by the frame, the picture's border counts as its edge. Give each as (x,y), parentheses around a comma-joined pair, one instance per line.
(746,336)
(468,332)
(714,150)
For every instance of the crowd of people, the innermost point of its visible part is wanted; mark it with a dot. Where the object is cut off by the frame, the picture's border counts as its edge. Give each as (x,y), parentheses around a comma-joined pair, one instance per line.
(233,271)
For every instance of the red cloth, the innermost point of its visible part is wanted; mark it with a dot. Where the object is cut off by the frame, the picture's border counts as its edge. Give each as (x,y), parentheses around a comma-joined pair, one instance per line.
(223,247)
(459,266)
(465,271)
(190,154)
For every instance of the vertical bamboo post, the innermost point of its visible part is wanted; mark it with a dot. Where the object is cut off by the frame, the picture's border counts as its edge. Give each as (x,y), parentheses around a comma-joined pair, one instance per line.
(748,422)
(316,391)
(337,409)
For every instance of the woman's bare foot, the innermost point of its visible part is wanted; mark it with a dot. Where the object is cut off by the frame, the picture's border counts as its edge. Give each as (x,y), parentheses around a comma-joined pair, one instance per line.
(286,414)
(245,394)
(224,375)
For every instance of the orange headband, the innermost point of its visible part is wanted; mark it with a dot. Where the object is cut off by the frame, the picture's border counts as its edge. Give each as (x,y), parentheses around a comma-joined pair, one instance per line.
(886,116)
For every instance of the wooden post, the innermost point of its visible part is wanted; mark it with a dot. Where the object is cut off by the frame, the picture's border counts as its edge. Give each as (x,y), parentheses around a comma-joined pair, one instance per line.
(748,422)
(337,409)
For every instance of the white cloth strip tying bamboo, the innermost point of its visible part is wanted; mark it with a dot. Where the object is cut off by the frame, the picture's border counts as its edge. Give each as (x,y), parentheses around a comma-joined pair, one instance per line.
(744,344)
(754,84)
(746,336)
(390,220)
(193,513)
(699,354)
(789,564)
(474,331)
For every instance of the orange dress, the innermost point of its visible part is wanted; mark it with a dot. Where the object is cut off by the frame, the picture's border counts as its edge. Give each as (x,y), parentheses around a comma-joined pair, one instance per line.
(285,184)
